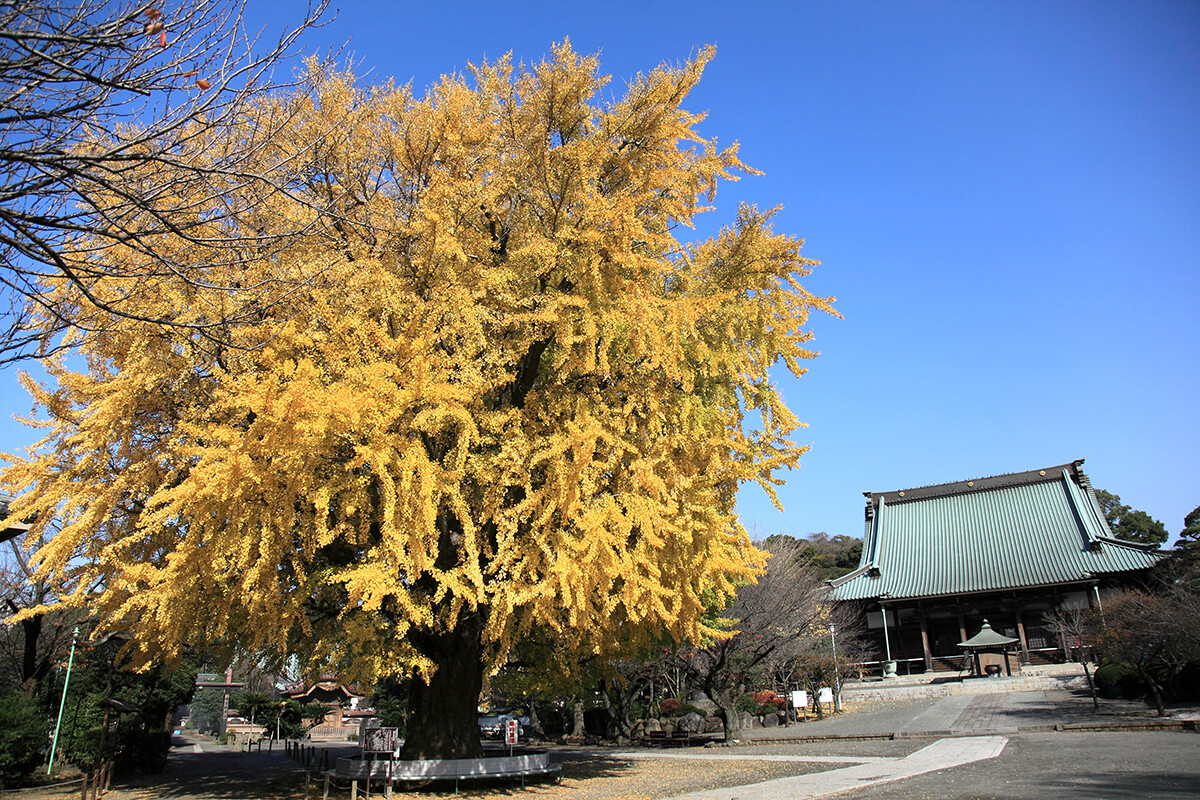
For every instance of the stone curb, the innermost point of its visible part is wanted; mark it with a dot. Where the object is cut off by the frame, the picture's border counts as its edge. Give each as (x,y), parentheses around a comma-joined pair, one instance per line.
(1131,725)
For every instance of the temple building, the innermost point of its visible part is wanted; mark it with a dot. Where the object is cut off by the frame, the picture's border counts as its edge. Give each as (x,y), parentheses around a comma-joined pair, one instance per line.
(343,702)
(939,560)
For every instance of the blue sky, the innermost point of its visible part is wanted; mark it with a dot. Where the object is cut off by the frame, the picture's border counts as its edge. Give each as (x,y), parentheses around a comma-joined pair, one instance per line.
(1005,198)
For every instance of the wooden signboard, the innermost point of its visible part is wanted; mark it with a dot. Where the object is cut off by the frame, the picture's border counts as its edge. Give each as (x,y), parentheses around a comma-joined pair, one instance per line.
(380,740)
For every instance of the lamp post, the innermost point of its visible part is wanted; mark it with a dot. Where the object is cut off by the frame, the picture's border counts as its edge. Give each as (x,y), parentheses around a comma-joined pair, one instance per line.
(63,703)
(837,681)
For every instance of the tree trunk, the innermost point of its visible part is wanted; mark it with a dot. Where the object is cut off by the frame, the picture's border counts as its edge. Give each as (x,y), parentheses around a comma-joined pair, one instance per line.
(728,715)
(814,692)
(618,701)
(1091,686)
(578,730)
(443,714)
(535,724)
(31,674)
(1155,693)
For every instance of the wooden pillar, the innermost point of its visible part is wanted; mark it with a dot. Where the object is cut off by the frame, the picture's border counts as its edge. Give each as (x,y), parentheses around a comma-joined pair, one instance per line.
(925,641)
(962,623)
(1021,635)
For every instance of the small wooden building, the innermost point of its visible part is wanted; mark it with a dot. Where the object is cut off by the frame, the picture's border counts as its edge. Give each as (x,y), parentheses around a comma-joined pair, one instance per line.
(938,560)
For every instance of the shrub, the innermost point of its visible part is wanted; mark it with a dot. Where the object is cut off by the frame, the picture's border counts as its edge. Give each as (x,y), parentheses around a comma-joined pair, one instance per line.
(1118,679)
(22,735)
(669,707)
(768,697)
(746,704)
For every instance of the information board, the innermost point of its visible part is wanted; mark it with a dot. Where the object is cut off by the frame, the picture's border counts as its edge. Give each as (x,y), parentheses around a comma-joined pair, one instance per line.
(380,740)
(825,695)
(512,731)
(800,699)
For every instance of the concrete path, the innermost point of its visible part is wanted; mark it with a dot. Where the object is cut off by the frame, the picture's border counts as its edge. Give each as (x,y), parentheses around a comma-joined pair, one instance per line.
(942,754)
(974,714)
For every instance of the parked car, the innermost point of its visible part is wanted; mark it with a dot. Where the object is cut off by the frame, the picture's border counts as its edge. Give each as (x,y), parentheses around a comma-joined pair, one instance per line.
(493,727)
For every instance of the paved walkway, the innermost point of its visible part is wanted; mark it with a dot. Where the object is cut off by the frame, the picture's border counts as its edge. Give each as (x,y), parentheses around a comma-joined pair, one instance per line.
(996,713)
(942,754)
(967,729)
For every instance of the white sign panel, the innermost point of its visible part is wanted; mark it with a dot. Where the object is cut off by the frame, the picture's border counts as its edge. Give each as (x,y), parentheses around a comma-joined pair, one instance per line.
(825,695)
(800,699)
(512,731)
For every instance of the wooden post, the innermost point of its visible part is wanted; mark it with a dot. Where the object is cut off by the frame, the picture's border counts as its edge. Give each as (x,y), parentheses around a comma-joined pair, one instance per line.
(925,641)
(1021,636)
(325,794)
(354,789)
(85,786)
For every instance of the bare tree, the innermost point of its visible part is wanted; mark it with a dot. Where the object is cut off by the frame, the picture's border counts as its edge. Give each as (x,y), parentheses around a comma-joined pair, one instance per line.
(114,131)
(1155,634)
(28,648)
(1074,628)
(780,618)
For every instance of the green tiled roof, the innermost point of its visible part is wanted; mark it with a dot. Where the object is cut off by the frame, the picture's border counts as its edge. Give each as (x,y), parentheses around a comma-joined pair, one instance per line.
(1037,528)
(988,638)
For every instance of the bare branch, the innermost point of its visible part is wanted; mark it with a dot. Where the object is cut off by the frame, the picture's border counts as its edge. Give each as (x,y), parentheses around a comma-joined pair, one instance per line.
(110,113)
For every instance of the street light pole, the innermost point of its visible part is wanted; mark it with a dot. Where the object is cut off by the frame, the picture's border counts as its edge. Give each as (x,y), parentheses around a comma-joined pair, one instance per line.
(837,681)
(63,703)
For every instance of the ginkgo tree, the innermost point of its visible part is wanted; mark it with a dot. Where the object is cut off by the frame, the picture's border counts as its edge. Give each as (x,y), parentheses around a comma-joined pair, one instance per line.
(499,395)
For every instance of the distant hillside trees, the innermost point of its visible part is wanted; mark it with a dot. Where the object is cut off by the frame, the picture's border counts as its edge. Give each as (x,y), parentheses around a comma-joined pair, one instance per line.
(826,556)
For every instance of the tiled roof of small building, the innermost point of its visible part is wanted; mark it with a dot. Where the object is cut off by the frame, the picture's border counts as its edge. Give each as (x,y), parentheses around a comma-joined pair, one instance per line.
(1037,528)
(16,528)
